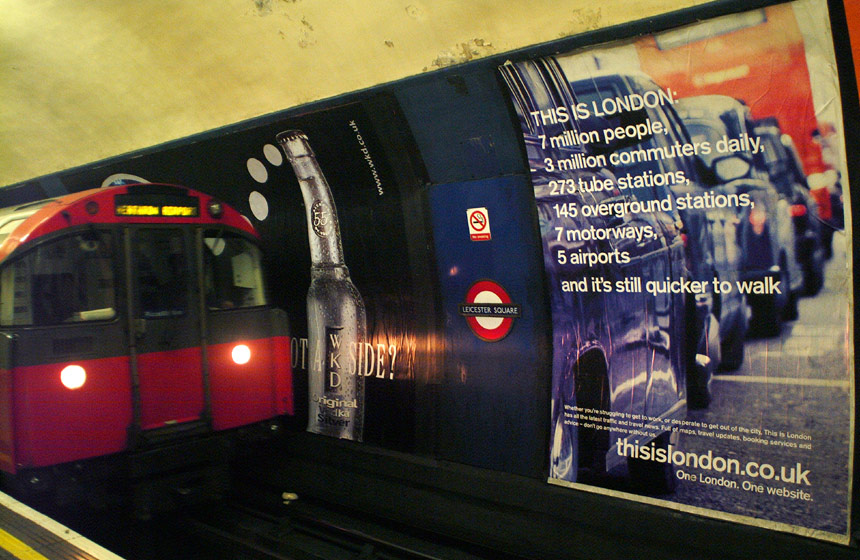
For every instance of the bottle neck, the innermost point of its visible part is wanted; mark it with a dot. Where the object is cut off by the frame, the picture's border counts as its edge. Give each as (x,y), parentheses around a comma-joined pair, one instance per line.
(330,272)
(323,227)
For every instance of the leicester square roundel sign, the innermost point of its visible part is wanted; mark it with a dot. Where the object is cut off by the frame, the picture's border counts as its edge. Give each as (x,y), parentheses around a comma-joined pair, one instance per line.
(489,311)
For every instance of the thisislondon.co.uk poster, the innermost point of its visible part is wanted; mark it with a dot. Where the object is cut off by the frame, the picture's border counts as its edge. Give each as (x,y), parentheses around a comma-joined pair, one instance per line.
(692,197)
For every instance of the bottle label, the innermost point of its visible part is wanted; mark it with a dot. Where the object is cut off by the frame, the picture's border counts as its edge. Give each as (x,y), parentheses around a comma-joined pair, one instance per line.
(333,356)
(338,408)
(321,218)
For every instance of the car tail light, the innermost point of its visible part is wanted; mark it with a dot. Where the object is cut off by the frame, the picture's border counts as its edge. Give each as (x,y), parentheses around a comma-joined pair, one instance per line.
(73,377)
(757,220)
(797,210)
(241,354)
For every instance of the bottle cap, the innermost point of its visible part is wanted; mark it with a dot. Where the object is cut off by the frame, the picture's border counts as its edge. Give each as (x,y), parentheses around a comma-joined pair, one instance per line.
(295,143)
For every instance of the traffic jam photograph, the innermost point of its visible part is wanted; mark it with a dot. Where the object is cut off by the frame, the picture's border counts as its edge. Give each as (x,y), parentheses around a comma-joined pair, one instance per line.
(621,153)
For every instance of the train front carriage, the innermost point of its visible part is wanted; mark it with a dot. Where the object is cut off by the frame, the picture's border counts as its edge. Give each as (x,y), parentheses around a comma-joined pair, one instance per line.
(133,319)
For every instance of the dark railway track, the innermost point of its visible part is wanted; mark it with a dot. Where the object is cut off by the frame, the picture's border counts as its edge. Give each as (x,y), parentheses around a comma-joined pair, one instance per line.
(257,524)
(312,532)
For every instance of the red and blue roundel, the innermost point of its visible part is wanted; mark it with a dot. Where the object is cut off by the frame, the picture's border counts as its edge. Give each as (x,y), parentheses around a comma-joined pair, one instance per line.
(489,311)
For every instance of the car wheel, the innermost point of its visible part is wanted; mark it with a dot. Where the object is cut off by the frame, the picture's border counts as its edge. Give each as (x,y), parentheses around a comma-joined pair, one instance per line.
(769,311)
(592,391)
(699,376)
(827,241)
(813,281)
(733,347)
(813,273)
(562,454)
(698,392)
(766,316)
(653,477)
(791,312)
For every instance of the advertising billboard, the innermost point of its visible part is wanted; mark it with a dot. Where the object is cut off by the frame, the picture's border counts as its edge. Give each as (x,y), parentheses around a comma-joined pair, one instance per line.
(689,186)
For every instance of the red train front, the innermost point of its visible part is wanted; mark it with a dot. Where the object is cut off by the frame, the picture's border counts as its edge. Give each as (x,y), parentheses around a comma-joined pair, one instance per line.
(133,319)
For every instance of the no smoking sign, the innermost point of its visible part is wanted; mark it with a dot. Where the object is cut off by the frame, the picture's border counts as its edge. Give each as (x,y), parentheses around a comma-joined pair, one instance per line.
(479,224)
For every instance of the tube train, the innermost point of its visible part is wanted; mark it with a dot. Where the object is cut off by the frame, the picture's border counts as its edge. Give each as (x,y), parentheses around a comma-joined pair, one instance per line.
(134,321)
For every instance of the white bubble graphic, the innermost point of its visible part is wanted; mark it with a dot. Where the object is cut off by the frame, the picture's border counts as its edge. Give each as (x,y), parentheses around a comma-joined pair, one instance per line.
(273,154)
(257,170)
(259,205)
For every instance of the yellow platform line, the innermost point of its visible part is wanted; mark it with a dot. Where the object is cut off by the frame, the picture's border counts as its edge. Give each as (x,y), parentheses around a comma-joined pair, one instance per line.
(75,540)
(18,548)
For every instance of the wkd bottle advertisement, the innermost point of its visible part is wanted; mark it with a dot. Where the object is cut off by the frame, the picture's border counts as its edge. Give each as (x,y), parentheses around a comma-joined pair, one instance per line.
(690,188)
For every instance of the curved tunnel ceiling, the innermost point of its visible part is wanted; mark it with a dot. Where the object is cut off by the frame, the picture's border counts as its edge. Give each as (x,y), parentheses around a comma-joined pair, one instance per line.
(82,81)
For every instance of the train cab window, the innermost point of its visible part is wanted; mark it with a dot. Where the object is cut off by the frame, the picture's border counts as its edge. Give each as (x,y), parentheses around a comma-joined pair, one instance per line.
(66,280)
(161,273)
(233,276)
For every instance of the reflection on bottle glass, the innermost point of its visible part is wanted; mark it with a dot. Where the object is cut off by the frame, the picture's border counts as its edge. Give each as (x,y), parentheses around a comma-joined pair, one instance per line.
(336,315)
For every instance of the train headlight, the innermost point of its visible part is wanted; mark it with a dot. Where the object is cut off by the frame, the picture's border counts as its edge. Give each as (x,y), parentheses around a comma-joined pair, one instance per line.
(241,354)
(215,208)
(73,377)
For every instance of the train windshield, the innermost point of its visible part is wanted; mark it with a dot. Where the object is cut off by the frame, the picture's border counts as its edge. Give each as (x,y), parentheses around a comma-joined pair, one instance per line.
(233,275)
(67,280)
(74,278)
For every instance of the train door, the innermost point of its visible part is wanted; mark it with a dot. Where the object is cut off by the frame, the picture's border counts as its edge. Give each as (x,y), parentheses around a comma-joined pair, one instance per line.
(164,326)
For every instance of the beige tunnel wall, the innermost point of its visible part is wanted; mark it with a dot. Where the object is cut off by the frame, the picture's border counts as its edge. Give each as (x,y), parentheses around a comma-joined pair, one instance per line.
(85,80)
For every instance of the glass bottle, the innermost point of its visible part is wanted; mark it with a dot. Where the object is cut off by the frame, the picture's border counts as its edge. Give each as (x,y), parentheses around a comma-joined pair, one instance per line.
(337,324)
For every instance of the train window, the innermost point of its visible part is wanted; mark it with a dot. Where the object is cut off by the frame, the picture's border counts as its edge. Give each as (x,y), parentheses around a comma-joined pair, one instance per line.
(233,275)
(161,273)
(66,280)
